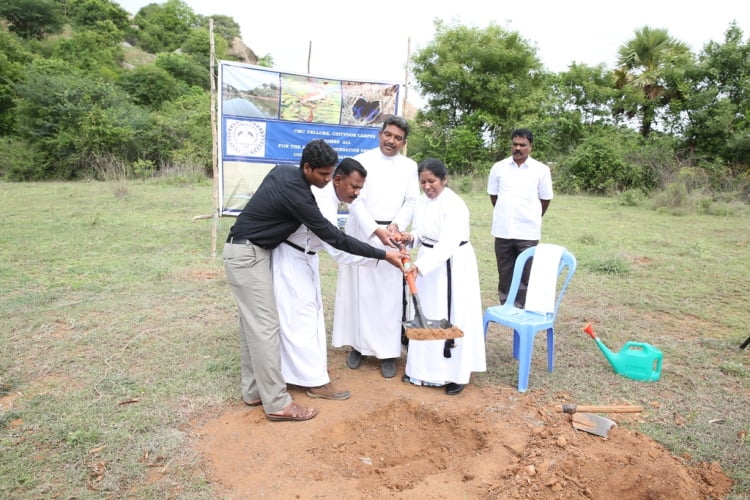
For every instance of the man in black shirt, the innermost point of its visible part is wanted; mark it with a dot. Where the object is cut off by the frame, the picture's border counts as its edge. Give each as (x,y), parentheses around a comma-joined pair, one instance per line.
(281,203)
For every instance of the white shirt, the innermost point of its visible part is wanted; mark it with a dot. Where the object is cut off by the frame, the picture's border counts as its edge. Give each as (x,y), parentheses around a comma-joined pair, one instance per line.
(518,211)
(389,194)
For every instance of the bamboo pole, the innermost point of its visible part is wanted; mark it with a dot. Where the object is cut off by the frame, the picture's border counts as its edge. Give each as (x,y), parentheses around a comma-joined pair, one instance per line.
(406,73)
(309,56)
(214,144)
(406,87)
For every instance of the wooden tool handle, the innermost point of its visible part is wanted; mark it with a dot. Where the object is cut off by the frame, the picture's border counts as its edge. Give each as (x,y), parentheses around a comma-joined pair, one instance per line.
(570,408)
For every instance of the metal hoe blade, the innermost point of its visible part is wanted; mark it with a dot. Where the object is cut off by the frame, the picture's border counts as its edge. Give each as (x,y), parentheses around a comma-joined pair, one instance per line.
(593,424)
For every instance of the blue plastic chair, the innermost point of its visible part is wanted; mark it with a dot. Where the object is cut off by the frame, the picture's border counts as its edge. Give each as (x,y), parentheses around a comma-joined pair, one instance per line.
(525,323)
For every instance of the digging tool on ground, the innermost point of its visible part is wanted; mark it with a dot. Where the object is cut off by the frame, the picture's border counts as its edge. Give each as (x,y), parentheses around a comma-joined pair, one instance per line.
(573,408)
(583,420)
(593,424)
(421,328)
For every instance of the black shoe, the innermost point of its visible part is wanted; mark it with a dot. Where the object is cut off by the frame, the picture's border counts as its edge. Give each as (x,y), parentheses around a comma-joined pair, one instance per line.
(354,359)
(388,368)
(453,389)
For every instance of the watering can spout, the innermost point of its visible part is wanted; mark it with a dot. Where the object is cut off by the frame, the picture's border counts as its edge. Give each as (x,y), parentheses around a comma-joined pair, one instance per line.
(590,330)
(611,357)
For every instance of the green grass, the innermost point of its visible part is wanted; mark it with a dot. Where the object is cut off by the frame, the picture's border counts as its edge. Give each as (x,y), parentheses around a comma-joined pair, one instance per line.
(118,331)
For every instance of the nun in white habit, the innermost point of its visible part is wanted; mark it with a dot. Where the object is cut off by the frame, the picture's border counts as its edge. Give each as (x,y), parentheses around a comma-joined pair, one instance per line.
(448,285)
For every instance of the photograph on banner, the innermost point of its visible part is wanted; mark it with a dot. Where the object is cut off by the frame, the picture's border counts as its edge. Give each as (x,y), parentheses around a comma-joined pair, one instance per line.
(251,93)
(367,103)
(311,100)
(240,181)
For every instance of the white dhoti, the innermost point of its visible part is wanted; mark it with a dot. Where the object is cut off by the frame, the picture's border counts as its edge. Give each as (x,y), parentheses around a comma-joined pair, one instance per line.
(304,359)
(296,277)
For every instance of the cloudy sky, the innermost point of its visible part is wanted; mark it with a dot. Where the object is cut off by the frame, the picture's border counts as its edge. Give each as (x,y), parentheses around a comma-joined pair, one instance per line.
(371,40)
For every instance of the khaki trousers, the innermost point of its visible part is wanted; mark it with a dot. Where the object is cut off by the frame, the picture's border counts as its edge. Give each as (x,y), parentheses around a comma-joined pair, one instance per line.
(248,270)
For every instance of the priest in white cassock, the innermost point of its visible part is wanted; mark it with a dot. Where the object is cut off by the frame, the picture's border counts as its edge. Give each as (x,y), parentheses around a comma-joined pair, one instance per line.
(369,301)
(296,278)
(448,282)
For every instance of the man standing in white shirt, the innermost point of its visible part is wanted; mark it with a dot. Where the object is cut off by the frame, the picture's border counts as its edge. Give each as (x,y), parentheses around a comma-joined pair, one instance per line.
(369,301)
(520,190)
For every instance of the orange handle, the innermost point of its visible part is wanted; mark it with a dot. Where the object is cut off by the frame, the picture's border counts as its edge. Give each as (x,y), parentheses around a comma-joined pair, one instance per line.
(409,276)
(412,283)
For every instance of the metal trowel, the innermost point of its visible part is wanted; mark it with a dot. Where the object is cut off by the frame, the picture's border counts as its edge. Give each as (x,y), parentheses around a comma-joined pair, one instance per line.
(593,424)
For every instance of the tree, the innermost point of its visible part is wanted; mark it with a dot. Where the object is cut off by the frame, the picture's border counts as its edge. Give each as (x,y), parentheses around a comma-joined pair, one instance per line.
(590,90)
(224,26)
(88,13)
(95,51)
(13,57)
(479,81)
(716,100)
(163,28)
(648,69)
(151,86)
(184,68)
(198,45)
(32,18)
(70,116)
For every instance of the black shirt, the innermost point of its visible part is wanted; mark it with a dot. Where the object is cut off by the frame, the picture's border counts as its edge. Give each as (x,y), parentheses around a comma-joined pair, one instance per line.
(283,202)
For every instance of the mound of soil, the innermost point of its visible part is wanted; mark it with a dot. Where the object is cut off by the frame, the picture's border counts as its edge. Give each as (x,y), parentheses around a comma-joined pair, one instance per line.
(394,439)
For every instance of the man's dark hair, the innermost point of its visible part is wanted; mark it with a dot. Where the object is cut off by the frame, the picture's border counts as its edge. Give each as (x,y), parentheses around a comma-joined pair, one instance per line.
(348,166)
(435,166)
(397,121)
(525,133)
(318,153)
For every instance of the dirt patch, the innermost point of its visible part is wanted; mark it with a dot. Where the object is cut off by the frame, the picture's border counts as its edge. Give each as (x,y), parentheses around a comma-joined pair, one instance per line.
(393,439)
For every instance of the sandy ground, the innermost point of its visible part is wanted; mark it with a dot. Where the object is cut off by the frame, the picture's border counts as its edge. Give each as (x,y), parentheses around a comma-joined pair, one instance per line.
(395,440)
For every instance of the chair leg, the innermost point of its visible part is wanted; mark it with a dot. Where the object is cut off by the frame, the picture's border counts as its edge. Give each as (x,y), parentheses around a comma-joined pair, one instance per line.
(525,346)
(486,324)
(515,344)
(550,349)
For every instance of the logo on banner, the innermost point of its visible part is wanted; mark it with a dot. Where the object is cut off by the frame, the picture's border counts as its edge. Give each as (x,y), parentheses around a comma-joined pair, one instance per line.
(246,138)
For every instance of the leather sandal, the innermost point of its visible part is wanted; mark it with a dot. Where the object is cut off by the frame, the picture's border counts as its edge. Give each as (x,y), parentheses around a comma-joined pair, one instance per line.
(293,412)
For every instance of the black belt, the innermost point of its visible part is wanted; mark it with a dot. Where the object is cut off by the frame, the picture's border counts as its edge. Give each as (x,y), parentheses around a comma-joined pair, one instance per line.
(383,222)
(297,247)
(239,241)
(430,246)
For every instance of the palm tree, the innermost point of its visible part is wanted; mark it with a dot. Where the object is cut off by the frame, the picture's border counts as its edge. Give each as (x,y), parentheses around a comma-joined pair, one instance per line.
(644,65)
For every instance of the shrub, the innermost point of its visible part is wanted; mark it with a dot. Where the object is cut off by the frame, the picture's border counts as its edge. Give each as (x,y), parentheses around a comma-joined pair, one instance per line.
(606,163)
(631,197)
(675,195)
(612,266)
(21,162)
(463,184)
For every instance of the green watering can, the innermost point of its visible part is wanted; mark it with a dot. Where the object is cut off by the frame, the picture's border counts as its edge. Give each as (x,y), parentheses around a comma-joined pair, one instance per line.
(636,360)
